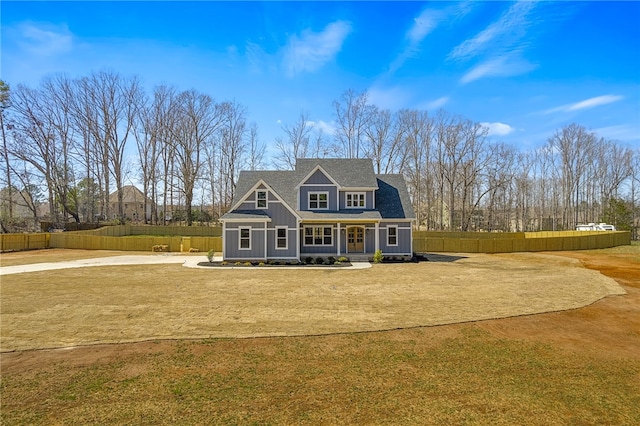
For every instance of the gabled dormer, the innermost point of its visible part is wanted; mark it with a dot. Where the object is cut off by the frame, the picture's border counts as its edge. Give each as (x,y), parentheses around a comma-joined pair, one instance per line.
(318,191)
(336,184)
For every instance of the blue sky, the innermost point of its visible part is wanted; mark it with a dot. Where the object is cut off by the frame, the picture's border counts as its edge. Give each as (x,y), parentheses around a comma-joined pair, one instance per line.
(524,68)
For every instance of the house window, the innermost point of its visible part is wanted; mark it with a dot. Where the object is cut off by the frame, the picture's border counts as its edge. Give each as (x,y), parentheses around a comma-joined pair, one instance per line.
(319,200)
(261,199)
(392,235)
(281,238)
(318,236)
(355,200)
(245,239)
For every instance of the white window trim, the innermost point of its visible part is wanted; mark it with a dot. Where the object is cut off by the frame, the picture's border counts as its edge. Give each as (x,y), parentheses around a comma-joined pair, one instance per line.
(318,201)
(266,198)
(304,234)
(286,238)
(388,235)
(240,228)
(357,195)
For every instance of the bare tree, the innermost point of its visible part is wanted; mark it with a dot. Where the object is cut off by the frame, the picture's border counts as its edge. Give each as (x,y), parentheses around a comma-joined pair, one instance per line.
(5,102)
(256,149)
(294,145)
(352,117)
(385,138)
(574,147)
(42,137)
(151,139)
(109,109)
(417,130)
(196,120)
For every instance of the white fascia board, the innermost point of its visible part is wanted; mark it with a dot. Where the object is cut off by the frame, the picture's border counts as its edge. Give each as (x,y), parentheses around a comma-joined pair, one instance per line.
(245,220)
(315,169)
(269,188)
(249,192)
(358,188)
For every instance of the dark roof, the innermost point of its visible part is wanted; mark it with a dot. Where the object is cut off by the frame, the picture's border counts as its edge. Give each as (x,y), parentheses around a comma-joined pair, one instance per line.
(392,197)
(282,182)
(347,172)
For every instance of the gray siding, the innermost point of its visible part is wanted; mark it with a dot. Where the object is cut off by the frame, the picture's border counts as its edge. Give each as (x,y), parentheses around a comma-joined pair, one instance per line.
(292,243)
(232,241)
(318,178)
(281,216)
(368,199)
(404,238)
(333,196)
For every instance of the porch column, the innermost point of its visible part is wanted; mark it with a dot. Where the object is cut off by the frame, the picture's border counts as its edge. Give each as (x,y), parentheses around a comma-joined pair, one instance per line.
(265,241)
(338,239)
(298,240)
(377,237)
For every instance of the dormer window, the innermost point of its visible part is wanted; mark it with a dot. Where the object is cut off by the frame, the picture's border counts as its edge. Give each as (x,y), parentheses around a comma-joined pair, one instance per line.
(355,200)
(318,200)
(261,199)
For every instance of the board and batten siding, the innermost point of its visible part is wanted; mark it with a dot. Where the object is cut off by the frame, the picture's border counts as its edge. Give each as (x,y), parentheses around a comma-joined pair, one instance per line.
(333,196)
(318,178)
(232,240)
(368,199)
(404,238)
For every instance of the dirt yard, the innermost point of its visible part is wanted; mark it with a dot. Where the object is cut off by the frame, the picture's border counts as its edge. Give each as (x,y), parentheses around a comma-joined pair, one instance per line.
(120,304)
(572,366)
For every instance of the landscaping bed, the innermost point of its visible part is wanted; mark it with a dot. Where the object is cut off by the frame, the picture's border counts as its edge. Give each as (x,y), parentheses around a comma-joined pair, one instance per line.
(307,261)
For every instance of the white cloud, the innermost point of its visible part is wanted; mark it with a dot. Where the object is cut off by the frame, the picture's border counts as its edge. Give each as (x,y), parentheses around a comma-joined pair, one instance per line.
(438,103)
(388,97)
(309,51)
(423,25)
(585,104)
(501,66)
(45,39)
(327,128)
(498,129)
(503,34)
(593,102)
(623,132)
(256,57)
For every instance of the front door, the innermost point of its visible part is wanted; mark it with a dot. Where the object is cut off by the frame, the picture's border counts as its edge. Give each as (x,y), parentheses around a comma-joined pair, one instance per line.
(355,240)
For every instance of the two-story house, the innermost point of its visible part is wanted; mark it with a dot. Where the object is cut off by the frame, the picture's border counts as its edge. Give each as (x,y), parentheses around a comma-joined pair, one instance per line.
(325,207)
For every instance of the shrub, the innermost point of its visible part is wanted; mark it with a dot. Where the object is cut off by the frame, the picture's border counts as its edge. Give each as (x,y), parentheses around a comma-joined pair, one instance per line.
(377,256)
(210,254)
(224,262)
(331,259)
(238,263)
(308,260)
(319,260)
(343,259)
(261,264)
(247,263)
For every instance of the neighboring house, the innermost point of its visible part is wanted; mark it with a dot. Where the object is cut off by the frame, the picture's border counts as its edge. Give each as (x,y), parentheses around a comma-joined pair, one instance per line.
(133,204)
(325,207)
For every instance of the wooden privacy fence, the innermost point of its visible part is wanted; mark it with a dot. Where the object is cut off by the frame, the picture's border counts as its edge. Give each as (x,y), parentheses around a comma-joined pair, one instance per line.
(16,242)
(423,241)
(183,231)
(508,242)
(143,243)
